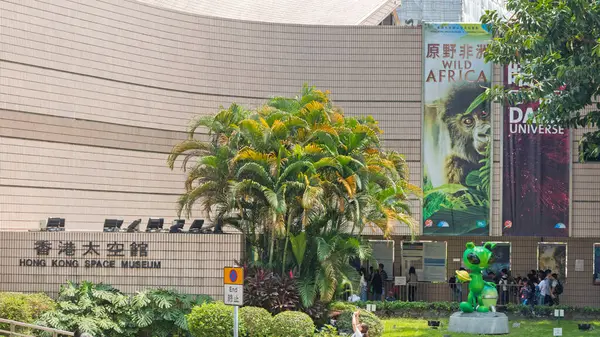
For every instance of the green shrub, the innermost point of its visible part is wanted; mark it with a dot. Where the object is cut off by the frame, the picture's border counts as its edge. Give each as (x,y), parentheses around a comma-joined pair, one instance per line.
(342,306)
(24,307)
(212,319)
(327,331)
(344,322)
(40,303)
(97,309)
(161,312)
(318,312)
(292,324)
(14,306)
(257,321)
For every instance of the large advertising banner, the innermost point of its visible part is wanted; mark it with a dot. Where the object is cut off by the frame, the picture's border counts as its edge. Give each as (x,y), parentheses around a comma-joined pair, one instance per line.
(456,144)
(536,172)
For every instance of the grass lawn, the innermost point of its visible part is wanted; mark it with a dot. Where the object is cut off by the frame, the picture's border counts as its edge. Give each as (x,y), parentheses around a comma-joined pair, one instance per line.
(401,327)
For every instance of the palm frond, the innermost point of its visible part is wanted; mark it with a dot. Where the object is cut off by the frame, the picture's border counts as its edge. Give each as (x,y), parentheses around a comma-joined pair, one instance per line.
(296,167)
(188,145)
(248,153)
(256,171)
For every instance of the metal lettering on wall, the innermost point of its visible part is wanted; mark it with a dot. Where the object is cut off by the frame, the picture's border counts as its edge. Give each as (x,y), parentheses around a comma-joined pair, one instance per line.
(90,255)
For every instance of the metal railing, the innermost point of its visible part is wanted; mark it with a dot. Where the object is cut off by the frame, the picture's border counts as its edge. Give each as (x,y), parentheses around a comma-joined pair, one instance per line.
(13,325)
(445,292)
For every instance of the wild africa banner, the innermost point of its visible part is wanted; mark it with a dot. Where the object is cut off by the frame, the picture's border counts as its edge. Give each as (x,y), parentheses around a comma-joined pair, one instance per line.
(536,171)
(456,144)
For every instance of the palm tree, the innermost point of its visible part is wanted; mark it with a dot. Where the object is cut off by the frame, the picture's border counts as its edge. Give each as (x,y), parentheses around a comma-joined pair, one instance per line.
(300,179)
(208,177)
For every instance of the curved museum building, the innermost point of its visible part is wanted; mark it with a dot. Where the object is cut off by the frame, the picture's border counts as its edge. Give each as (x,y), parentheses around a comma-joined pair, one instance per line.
(94,94)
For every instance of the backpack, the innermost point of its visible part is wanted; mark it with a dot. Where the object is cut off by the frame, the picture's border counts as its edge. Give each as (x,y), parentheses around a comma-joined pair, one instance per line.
(452,282)
(525,293)
(559,288)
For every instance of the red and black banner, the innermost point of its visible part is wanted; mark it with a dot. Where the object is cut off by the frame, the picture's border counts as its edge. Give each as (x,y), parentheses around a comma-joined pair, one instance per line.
(536,172)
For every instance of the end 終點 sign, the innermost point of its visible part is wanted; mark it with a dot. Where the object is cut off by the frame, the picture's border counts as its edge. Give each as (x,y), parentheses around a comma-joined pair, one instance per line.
(233,282)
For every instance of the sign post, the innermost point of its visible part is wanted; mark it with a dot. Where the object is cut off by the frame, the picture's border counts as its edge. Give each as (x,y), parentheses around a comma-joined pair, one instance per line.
(233,282)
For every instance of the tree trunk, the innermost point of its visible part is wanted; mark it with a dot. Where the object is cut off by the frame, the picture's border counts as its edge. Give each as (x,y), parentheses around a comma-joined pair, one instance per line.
(287,240)
(271,248)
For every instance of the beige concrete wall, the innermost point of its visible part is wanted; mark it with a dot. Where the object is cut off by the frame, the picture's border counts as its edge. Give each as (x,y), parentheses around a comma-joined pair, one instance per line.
(94,94)
(192,264)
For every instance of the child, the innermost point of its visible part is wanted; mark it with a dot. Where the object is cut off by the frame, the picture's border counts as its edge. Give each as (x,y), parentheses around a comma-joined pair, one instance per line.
(360,330)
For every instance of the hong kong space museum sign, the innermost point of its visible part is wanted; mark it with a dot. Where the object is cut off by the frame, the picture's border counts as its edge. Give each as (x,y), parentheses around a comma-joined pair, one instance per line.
(70,254)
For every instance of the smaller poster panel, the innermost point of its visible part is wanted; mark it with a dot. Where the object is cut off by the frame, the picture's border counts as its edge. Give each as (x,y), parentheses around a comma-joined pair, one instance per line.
(434,261)
(501,258)
(383,252)
(412,256)
(553,256)
(597,263)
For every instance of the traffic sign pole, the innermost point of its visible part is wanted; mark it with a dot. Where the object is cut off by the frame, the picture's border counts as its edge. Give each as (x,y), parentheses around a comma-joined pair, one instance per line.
(233,282)
(235,320)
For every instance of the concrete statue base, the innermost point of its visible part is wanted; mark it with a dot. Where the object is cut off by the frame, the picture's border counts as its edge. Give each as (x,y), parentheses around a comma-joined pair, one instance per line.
(489,323)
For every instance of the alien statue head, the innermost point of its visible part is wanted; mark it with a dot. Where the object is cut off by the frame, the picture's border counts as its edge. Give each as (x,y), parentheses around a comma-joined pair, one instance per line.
(478,258)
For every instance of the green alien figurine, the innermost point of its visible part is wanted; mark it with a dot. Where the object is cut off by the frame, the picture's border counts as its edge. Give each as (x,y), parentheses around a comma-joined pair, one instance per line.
(482,295)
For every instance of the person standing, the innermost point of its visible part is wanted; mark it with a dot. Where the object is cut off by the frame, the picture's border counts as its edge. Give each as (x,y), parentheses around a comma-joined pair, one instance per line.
(384,278)
(546,290)
(377,285)
(370,282)
(456,288)
(363,284)
(557,289)
(412,283)
(503,285)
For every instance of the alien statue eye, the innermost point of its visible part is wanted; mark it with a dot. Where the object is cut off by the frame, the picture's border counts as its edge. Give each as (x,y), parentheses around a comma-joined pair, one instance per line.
(468,121)
(484,114)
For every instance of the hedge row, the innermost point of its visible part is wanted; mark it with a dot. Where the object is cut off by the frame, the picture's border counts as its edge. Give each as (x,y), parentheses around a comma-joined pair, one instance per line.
(216,320)
(428,309)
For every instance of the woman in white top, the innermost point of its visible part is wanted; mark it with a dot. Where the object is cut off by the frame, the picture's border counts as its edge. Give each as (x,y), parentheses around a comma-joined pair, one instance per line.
(360,330)
(363,285)
(412,283)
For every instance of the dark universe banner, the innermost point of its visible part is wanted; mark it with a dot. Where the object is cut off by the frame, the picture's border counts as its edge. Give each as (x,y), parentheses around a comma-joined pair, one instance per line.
(456,144)
(536,171)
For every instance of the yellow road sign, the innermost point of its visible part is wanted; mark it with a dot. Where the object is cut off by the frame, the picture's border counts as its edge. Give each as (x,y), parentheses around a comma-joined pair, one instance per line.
(233,275)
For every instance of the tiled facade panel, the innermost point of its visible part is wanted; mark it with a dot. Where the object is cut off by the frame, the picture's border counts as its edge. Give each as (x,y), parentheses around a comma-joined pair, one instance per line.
(192,264)
(16,124)
(23,207)
(95,94)
(100,39)
(66,166)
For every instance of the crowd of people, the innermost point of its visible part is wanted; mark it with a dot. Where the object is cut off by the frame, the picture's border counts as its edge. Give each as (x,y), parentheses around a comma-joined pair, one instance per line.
(372,284)
(541,287)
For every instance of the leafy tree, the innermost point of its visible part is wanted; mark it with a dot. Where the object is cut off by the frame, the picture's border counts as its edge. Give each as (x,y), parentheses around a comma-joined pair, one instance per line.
(302,181)
(557,44)
(161,312)
(102,310)
(97,309)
